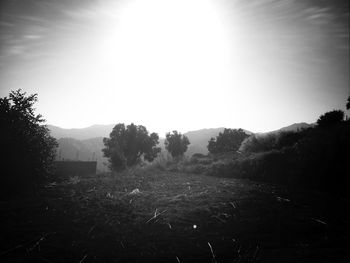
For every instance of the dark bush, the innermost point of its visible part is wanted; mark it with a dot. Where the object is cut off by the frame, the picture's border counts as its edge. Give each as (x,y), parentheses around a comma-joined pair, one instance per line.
(198,155)
(27,149)
(319,160)
(274,166)
(324,156)
(199,158)
(289,138)
(227,141)
(196,169)
(330,118)
(272,141)
(259,143)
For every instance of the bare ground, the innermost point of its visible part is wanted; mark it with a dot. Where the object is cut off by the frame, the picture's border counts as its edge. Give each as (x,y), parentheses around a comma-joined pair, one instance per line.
(161,216)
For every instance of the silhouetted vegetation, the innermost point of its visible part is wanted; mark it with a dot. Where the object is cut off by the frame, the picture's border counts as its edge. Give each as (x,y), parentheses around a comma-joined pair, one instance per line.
(227,141)
(255,143)
(315,158)
(330,118)
(126,146)
(169,210)
(176,143)
(348,104)
(27,149)
(272,141)
(198,155)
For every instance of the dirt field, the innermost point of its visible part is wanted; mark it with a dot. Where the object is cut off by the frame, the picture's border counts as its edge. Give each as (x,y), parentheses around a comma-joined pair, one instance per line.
(161,216)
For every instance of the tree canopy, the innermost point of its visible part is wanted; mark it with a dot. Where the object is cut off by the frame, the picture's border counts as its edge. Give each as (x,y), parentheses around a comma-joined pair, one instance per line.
(176,143)
(227,141)
(127,145)
(27,149)
(348,104)
(330,118)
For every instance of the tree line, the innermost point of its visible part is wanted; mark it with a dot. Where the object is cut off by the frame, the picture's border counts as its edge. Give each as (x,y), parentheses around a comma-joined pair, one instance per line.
(129,145)
(28,150)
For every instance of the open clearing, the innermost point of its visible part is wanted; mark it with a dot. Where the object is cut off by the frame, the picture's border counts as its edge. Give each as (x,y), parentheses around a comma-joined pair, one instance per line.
(161,216)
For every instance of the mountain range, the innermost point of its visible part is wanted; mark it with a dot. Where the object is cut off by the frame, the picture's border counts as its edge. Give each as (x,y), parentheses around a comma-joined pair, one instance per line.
(86,144)
(81,133)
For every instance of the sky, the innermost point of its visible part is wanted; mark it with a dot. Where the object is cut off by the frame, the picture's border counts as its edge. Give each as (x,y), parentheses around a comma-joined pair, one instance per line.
(177,64)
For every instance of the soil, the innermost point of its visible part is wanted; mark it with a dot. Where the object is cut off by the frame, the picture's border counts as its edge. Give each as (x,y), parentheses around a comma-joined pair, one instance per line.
(162,216)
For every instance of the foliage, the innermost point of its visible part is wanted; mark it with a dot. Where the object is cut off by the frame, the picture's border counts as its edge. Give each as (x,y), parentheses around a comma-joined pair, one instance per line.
(126,146)
(348,104)
(290,138)
(272,141)
(323,156)
(318,159)
(227,141)
(255,143)
(330,118)
(176,143)
(199,158)
(198,155)
(266,166)
(27,149)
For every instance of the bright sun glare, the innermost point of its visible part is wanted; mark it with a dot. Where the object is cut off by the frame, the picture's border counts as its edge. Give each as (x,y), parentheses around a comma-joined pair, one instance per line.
(182,64)
(157,53)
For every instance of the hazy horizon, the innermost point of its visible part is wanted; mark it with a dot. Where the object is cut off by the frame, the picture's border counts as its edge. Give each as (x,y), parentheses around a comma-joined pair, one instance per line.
(184,65)
(162,134)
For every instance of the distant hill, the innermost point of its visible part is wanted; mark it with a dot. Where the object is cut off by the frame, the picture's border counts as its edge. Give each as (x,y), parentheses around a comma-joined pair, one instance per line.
(297,127)
(81,133)
(293,127)
(86,144)
(199,140)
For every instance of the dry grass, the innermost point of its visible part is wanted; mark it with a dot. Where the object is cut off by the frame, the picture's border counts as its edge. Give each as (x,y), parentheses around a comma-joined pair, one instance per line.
(154,215)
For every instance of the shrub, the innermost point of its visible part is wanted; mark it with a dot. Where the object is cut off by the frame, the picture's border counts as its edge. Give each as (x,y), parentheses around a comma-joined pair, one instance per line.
(198,155)
(259,143)
(27,149)
(330,118)
(227,141)
(318,160)
(324,155)
(272,141)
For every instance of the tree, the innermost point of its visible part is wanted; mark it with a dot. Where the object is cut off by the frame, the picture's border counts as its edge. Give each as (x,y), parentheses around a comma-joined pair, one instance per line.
(212,146)
(330,118)
(348,104)
(27,149)
(176,143)
(126,146)
(227,141)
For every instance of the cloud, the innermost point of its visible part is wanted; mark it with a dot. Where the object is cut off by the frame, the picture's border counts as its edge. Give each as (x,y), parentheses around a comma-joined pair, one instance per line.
(28,28)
